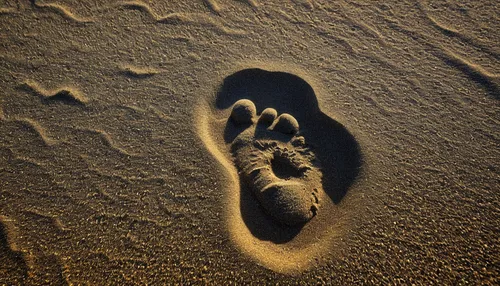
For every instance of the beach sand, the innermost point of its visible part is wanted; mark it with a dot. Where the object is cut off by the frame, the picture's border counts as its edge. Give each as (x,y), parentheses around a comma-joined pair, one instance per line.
(249,141)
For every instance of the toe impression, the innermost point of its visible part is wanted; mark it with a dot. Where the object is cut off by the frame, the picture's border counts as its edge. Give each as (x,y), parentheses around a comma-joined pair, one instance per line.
(243,112)
(286,124)
(268,116)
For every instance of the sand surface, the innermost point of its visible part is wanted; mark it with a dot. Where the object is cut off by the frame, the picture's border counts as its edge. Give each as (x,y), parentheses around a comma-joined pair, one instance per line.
(117,147)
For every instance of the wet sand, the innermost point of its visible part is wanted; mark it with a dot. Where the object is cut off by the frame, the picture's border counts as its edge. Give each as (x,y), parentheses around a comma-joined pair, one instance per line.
(120,163)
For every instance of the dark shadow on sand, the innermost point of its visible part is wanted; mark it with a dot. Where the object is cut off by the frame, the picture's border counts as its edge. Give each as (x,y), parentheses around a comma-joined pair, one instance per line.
(336,149)
(61,97)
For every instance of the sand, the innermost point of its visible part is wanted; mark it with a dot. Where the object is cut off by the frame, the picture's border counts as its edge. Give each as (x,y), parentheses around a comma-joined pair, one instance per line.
(371,156)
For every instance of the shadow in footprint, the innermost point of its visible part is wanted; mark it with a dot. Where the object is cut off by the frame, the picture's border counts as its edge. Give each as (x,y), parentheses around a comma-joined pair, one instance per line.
(336,149)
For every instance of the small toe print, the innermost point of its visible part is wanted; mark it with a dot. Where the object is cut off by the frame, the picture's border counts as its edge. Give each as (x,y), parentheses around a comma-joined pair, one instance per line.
(268,116)
(286,124)
(298,141)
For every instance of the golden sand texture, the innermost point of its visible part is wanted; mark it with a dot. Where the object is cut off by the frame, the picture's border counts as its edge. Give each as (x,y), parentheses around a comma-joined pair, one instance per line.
(121,164)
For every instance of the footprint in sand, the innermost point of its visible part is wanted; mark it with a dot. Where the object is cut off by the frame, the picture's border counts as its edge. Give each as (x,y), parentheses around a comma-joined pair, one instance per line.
(288,166)
(275,162)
